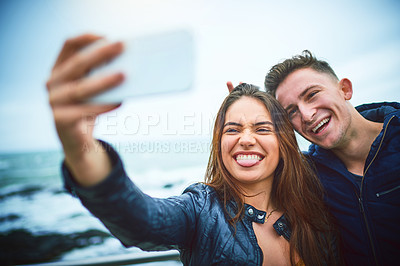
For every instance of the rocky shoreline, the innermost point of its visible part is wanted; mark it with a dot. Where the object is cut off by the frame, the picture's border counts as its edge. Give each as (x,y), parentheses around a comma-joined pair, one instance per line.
(20,246)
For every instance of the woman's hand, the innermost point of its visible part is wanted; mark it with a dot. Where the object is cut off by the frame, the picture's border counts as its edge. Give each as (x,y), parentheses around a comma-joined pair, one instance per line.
(68,90)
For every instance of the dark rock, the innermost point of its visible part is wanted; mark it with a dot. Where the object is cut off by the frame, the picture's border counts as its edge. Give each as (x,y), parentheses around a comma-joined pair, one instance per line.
(26,192)
(9,218)
(168,185)
(22,247)
(75,215)
(59,191)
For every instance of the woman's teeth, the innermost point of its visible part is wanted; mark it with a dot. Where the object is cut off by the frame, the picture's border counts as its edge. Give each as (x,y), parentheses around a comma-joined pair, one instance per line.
(248,160)
(248,157)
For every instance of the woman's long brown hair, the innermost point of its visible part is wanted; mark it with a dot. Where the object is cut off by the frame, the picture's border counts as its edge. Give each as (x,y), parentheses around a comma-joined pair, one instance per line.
(296,190)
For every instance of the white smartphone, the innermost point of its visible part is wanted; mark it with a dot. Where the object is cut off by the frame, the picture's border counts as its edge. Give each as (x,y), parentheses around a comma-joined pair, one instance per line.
(152,64)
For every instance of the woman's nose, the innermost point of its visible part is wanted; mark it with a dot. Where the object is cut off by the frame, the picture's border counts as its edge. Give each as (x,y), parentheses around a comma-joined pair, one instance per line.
(247,139)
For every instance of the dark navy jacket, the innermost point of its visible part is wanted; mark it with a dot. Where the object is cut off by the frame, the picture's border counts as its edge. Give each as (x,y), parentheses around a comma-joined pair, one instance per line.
(368,214)
(194,222)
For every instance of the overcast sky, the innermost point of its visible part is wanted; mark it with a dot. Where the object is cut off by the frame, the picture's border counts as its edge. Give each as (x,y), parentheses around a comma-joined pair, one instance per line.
(234,40)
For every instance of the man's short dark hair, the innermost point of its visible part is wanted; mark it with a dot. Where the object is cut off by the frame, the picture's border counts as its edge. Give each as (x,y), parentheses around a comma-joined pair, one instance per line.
(280,71)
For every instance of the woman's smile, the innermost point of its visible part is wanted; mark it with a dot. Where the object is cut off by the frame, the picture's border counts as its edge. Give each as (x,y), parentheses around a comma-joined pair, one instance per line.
(247,159)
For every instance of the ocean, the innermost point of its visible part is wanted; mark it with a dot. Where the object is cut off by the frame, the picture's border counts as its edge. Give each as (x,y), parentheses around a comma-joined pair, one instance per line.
(36,210)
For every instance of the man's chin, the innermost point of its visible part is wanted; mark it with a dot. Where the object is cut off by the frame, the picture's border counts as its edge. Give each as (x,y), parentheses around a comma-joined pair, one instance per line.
(326,144)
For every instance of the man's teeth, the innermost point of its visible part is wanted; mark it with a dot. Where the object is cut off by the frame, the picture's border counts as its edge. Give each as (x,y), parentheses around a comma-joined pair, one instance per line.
(324,121)
(248,157)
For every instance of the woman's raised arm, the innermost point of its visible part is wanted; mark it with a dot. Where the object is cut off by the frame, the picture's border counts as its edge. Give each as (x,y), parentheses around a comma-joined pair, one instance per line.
(68,90)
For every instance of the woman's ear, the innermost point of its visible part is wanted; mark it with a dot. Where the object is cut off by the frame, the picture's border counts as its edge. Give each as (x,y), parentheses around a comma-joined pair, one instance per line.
(347,88)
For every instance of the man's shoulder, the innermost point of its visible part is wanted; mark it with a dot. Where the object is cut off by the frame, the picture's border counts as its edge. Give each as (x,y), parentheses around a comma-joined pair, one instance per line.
(378,105)
(377,112)
(320,157)
(315,150)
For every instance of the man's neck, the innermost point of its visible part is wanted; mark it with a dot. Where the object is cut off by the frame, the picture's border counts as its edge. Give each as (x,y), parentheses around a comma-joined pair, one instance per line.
(354,152)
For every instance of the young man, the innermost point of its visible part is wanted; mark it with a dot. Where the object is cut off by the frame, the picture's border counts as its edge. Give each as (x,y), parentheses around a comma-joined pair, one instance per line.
(356,152)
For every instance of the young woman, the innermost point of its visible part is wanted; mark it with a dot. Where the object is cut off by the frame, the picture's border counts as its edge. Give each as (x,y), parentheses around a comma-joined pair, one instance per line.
(260,204)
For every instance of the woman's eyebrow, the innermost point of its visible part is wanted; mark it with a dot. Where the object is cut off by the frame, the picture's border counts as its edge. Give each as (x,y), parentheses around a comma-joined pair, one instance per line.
(232,124)
(255,124)
(263,123)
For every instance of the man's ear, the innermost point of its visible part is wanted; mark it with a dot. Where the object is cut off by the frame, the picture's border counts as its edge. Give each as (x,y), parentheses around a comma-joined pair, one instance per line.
(347,88)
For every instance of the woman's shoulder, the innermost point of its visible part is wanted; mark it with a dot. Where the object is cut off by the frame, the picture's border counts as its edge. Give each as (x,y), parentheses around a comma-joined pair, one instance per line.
(202,195)
(200,188)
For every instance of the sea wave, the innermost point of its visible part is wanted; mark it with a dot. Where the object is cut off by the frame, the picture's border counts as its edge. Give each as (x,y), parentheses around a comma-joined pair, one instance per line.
(32,197)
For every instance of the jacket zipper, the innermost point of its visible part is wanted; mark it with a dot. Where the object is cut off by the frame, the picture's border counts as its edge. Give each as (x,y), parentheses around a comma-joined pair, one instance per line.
(386,191)
(360,200)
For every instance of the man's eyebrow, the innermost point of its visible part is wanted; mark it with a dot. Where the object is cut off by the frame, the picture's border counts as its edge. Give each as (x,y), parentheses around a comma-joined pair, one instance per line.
(306,90)
(232,124)
(290,106)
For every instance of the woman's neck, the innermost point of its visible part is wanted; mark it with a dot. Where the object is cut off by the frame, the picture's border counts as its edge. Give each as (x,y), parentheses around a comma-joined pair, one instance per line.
(259,196)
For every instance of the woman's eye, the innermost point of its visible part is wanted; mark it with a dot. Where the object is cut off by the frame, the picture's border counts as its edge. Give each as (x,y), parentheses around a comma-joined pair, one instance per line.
(231,130)
(264,130)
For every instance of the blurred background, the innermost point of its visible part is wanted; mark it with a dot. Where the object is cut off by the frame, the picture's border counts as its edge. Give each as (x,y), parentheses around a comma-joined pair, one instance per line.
(164,140)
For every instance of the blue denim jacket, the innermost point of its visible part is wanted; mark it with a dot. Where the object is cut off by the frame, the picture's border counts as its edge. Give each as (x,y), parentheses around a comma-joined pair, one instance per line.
(194,223)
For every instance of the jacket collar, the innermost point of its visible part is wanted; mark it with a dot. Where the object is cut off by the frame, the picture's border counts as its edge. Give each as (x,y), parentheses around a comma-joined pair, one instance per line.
(377,112)
(281,226)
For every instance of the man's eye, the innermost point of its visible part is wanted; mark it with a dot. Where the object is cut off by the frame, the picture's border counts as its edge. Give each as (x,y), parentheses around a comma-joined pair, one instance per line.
(291,112)
(312,94)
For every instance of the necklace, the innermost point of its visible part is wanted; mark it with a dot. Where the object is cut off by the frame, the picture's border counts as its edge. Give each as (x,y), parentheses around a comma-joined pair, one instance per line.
(266,219)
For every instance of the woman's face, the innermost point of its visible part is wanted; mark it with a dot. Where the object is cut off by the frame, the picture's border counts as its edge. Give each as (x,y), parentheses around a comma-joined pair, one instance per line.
(249,145)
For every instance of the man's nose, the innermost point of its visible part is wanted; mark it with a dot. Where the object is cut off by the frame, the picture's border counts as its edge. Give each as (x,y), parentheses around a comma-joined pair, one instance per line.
(247,139)
(307,112)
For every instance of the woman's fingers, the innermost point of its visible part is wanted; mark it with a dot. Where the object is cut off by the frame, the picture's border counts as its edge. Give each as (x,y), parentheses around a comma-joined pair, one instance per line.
(79,64)
(73,45)
(78,91)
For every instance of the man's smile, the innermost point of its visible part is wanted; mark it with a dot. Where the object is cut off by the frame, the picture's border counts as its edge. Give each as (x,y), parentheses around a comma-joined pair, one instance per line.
(321,125)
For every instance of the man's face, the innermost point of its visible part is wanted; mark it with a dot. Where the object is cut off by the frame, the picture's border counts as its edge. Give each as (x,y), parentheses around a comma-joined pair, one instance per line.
(317,107)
